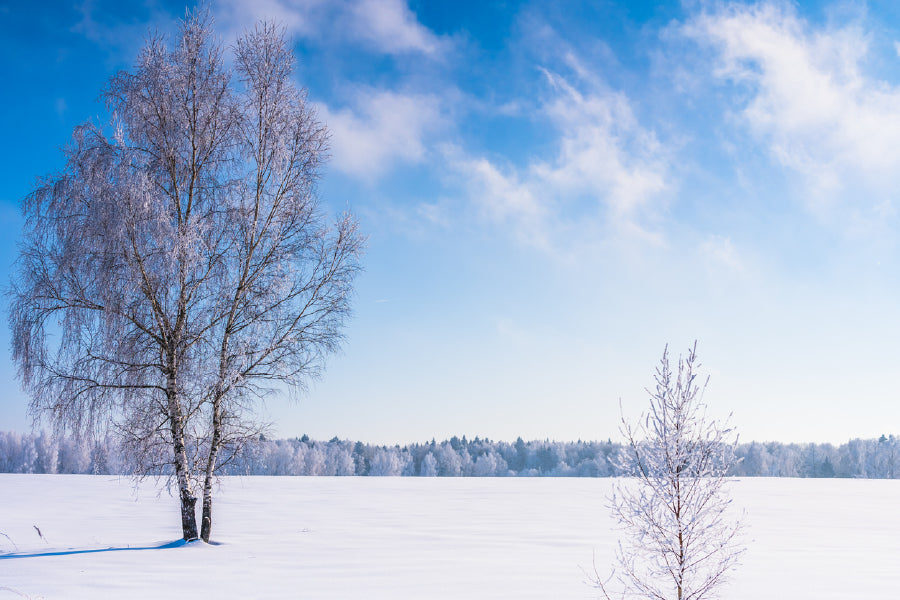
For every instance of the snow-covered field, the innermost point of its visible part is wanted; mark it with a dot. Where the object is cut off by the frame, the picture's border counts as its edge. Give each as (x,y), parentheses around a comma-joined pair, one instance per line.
(369,537)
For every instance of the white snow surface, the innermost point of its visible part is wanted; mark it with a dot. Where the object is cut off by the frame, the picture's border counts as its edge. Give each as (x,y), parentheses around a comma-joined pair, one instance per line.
(372,537)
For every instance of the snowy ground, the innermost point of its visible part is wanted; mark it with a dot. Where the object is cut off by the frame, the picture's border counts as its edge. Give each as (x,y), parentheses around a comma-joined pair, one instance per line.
(369,537)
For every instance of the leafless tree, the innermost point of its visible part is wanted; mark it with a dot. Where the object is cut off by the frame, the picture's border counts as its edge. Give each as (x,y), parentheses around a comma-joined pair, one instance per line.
(681,537)
(288,276)
(180,263)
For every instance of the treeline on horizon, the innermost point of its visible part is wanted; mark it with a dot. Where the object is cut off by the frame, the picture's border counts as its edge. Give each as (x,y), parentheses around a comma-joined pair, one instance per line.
(456,457)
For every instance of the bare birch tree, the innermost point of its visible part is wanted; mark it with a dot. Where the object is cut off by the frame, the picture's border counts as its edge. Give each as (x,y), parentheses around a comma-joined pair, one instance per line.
(288,275)
(680,536)
(180,258)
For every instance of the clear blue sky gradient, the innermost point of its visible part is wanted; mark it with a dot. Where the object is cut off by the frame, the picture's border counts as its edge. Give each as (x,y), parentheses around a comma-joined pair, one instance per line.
(552,192)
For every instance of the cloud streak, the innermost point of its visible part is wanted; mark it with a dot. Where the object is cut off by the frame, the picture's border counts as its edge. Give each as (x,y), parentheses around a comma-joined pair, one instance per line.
(380,130)
(392,28)
(810,100)
(121,40)
(383,26)
(608,173)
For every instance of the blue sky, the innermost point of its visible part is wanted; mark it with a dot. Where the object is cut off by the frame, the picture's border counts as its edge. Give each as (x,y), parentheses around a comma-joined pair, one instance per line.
(552,193)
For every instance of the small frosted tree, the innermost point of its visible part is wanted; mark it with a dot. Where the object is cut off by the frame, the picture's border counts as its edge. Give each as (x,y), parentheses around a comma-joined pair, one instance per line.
(680,536)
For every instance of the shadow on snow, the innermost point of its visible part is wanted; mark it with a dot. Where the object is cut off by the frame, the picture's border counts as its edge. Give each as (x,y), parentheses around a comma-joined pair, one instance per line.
(162,546)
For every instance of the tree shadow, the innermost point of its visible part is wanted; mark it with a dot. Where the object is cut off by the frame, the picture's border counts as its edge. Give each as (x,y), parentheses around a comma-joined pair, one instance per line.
(161,546)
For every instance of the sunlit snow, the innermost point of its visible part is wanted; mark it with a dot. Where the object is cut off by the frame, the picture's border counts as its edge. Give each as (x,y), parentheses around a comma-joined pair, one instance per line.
(369,537)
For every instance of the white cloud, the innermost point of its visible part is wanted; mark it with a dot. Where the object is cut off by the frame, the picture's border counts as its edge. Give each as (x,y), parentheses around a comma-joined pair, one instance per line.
(608,172)
(604,152)
(501,196)
(392,27)
(810,99)
(386,26)
(381,129)
(298,17)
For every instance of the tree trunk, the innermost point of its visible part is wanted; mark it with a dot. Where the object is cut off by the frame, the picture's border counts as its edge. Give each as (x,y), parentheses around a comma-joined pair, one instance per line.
(188,500)
(216,441)
(188,516)
(206,521)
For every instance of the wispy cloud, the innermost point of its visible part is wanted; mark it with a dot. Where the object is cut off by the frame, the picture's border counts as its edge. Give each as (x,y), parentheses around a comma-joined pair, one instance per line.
(810,99)
(513,334)
(392,28)
(503,195)
(383,26)
(61,107)
(298,17)
(720,255)
(380,129)
(604,152)
(608,173)
(121,40)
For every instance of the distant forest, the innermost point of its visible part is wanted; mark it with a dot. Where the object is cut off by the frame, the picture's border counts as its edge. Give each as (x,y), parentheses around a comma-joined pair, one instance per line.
(456,457)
